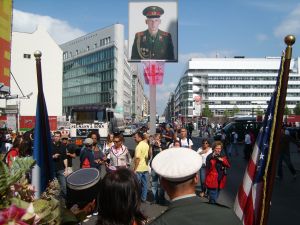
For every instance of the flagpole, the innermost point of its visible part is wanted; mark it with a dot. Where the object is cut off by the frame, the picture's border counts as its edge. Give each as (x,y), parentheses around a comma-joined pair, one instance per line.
(289,40)
(43,171)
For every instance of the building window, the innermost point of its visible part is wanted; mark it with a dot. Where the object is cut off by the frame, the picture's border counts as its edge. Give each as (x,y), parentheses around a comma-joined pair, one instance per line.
(26,56)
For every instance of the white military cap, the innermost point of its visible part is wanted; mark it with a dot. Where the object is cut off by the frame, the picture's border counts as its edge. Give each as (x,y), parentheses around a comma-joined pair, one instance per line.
(177,164)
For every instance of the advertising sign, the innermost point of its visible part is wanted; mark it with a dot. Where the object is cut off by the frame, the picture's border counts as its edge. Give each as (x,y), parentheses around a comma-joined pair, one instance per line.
(28,122)
(153,30)
(11,121)
(197,105)
(5,42)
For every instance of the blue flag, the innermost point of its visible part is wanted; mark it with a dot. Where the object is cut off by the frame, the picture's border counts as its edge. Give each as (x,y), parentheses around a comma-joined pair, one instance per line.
(43,172)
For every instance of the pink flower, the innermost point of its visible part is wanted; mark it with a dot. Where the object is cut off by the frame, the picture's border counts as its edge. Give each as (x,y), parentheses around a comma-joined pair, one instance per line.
(12,214)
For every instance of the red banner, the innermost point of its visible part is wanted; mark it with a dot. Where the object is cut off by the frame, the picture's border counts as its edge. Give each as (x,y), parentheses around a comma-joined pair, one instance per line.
(28,122)
(5,41)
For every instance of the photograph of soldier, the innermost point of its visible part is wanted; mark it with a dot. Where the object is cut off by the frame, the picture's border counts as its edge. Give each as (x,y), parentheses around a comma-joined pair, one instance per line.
(153,43)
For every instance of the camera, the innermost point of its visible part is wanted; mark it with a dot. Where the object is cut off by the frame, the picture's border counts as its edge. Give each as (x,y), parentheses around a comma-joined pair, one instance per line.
(216,156)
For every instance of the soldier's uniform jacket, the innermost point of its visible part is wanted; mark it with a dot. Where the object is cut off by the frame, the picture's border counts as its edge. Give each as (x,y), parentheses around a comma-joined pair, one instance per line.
(193,211)
(147,47)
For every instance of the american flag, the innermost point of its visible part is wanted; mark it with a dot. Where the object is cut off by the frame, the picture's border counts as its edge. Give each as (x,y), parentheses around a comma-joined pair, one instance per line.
(250,200)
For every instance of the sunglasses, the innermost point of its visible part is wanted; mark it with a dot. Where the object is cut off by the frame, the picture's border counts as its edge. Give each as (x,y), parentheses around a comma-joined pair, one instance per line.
(117,141)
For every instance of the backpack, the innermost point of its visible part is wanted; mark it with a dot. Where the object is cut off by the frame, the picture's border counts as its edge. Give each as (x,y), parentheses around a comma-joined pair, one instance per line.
(188,141)
(84,161)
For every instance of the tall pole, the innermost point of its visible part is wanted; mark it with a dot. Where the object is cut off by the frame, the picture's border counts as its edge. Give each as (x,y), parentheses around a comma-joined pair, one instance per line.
(289,40)
(19,109)
(152,108)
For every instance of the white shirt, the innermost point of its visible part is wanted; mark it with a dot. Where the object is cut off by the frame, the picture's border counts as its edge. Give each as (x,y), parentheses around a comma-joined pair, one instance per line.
(247,139)
(185,143)
(8,146)
(204,155)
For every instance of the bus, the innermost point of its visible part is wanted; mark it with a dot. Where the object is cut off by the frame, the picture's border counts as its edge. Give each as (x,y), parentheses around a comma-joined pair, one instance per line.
(102,120)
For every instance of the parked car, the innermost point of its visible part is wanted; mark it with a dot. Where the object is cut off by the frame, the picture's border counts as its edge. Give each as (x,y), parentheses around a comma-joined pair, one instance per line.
(129,130)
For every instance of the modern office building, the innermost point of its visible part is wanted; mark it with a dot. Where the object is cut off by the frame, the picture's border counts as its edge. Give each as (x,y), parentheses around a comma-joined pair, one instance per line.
(23,80)
(228,83)
(137,93)
(96,71)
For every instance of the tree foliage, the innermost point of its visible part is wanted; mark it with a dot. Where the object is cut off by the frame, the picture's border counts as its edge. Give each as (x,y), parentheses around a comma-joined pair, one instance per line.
(287,111)
(259,111)
(206,112)
(297,109)
(226,113)
(235,110)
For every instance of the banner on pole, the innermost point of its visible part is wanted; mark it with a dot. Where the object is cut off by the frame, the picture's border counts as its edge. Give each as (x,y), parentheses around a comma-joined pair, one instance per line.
(153,72)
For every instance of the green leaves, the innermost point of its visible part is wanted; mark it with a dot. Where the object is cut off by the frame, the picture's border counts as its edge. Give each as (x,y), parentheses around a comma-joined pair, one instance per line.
(9,176)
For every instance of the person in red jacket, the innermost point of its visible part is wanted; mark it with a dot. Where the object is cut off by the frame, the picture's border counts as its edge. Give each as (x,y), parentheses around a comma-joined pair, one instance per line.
(216,171)
(14,151)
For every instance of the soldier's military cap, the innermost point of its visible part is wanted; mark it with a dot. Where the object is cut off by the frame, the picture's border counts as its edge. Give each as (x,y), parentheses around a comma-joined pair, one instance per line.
(177,164)
(153,12)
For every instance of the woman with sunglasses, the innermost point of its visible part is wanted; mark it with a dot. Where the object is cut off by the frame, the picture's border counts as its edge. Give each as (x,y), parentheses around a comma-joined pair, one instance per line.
(204,151)
(119,154)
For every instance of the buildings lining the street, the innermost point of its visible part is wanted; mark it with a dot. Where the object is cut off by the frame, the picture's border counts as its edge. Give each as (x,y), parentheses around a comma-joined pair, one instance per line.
(91,70)
(228,83)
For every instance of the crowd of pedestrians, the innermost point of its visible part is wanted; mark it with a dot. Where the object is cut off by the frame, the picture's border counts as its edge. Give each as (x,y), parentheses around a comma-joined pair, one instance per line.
(166,160)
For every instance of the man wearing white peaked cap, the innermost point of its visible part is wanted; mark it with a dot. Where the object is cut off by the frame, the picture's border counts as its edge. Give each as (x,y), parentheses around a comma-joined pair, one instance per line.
(178,169)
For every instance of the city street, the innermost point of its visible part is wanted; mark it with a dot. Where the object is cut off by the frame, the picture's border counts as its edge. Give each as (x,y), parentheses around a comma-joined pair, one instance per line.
(286,193)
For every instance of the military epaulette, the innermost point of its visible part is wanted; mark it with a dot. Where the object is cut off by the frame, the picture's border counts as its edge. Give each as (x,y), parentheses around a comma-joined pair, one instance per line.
(142,33)
(163,33)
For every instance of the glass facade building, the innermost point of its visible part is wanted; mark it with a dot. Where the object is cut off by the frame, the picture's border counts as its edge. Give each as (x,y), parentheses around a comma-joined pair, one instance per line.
(95,71)
(88,79)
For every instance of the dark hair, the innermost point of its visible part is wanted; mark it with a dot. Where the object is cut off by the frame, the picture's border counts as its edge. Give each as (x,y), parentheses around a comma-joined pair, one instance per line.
(96,133)
(120,136)
(205,140)
(176,141)
(140,134)
(25,148)
(120,199)
(17,142)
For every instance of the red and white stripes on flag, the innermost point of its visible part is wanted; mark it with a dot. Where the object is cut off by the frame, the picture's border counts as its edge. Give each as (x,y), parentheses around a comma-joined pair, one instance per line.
(250,203)
(247,198)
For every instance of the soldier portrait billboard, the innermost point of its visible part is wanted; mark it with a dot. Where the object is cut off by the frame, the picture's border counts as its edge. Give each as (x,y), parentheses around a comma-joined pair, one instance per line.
(153,30)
